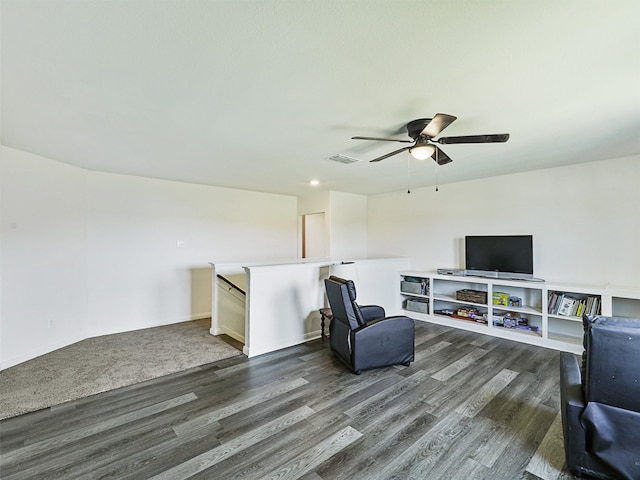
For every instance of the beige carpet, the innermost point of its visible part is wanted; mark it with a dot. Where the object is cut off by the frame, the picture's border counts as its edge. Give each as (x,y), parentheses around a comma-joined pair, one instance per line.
(103,363)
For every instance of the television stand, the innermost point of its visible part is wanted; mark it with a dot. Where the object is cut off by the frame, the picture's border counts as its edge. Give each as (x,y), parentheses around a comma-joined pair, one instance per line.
(549,325)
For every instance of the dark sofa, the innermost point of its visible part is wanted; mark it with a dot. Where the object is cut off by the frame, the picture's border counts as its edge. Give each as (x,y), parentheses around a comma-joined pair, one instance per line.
(600,400)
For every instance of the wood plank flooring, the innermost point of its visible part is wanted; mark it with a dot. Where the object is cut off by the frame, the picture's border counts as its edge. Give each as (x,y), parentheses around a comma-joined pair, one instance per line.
(470,407)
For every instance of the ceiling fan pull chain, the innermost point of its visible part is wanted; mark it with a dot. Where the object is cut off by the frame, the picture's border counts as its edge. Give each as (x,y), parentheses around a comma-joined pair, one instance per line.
(408,172)
(437,171)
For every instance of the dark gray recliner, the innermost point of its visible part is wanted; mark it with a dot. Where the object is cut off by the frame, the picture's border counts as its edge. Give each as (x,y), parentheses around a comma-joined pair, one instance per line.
(361,336)
(600,400)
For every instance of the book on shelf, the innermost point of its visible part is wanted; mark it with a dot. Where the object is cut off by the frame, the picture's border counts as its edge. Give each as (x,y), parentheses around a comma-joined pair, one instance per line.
(556,300)
(589,305)
(595,306)
(565,305)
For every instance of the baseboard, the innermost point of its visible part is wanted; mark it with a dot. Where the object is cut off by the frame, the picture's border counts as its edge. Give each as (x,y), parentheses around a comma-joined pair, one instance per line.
(279,346)
(225,331)
(41,350)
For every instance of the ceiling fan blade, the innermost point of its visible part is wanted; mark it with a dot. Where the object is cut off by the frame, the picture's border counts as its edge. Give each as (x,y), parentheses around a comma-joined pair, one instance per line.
(390,154)
(440,157)
(437,124)
(382,139)
(497,138)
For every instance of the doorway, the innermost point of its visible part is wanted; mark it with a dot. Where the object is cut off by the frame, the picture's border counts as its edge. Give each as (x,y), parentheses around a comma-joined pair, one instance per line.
(313,243)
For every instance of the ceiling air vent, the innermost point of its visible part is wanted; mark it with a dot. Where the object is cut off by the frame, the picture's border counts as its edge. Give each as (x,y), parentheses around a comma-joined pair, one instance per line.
(343,159)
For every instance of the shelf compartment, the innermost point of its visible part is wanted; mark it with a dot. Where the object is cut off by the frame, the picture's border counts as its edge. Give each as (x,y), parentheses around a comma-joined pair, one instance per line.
(414,285)
(534,321)
(519,331)
(531,298)
(448,288)
(561,337)
(453,310)
(573,304)
(525,309)
(453,304)
(566,318)
(460,320)
(565,329)
(625,307)
(419,305)
(416,295)
(413,288)
(450,299)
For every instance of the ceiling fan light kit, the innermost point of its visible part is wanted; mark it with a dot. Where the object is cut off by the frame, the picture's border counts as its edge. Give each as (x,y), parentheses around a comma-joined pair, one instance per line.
(422,151)
(423,132)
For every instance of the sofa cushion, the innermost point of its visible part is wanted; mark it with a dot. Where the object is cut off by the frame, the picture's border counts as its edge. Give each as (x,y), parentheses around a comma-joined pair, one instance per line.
(612,436)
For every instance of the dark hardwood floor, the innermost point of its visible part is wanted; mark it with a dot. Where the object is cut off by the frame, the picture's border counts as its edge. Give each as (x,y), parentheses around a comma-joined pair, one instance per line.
(469,407)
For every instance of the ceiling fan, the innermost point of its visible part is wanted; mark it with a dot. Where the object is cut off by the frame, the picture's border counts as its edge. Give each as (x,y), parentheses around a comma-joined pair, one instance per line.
(423,132)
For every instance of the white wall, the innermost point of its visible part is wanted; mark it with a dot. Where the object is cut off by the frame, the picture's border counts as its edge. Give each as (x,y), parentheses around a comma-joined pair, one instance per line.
(585,220)
(97,252)
(348,226)
(345,221)
(44,256)
(134,226)
(312,203)
(314,235)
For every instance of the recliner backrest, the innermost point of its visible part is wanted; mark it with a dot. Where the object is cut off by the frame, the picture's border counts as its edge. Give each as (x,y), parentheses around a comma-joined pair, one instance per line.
(611,373)
(342,299)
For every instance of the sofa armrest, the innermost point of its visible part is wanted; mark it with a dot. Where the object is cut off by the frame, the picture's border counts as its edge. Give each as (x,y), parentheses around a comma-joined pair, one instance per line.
(571,380)
(572,404)
(580,458)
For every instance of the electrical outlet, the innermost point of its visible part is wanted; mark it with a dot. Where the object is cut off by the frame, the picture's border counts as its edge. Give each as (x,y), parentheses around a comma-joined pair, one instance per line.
(180,244)
(50,323)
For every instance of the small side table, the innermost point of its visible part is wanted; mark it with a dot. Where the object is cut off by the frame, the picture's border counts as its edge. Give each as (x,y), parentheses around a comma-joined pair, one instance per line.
(325,314)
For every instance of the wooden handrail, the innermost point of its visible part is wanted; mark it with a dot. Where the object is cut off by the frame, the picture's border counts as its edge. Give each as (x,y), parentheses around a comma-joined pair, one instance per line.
(231,284)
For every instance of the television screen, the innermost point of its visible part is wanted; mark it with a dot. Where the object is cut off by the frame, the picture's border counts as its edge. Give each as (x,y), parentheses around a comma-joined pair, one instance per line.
(499,254)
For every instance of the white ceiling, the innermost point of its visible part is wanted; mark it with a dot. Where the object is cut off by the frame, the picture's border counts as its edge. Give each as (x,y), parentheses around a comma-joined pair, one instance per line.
(259,94)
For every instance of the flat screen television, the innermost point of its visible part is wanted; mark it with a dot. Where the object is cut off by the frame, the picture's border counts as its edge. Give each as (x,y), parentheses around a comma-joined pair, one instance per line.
(499,256)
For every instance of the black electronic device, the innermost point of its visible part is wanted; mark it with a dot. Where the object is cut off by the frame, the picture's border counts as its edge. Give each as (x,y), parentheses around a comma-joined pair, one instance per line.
(499,256)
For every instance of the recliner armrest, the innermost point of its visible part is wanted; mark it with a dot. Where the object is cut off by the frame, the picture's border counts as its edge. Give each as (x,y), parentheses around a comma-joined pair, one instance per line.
(372,312)
(391,323)
(382,342)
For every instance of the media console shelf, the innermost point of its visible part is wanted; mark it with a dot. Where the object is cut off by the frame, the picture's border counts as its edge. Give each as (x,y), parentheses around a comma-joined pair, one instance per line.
(538,313)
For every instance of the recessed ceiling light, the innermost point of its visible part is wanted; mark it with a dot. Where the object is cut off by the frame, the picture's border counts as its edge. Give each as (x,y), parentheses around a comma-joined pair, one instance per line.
(313,183)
